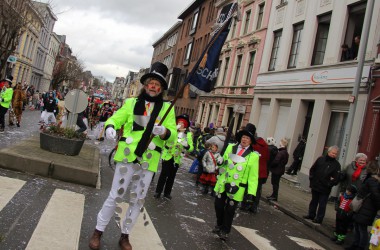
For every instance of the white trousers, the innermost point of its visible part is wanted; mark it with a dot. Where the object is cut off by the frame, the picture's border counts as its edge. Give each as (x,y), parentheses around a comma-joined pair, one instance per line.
(125,174)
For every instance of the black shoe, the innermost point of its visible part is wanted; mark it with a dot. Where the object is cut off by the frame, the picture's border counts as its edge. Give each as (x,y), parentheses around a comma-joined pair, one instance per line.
(168,196)
(288,173)
(18,124)
(339,242)
(223,235)
(308,217)
(1,130)
(216,230)
(268,197)
(317,221)
(271,198)
(334,238)
(157,195)
(253,210)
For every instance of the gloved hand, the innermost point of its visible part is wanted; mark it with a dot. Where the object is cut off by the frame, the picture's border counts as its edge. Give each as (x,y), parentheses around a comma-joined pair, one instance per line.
(111,133)
(219,160)
(249,198)
(184,143)
(158,130)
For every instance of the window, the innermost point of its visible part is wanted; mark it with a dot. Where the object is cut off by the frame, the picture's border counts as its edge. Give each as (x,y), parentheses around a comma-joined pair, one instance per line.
(194,23)
(250,67)
(260,16)
(234,22)
(225,70)
(321,39)
(354,29)
(188,53)
(296,42)
(237,70)
(246,25)
(276,46)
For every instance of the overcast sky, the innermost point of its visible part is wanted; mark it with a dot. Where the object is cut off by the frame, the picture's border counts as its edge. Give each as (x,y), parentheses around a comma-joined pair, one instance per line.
(112,37)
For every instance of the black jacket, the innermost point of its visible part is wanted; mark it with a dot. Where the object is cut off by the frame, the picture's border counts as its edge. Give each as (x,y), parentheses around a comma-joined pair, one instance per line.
(300,150)
(371,204)
(324,174)
(279,162)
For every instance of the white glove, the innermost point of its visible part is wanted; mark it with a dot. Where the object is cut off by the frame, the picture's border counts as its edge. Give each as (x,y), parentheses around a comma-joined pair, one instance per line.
(158,130)
(111,133)
(220,160)
(184,143)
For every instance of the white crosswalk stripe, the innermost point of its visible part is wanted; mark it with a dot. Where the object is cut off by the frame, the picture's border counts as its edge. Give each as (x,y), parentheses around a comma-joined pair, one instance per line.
(252,236)
(308,244)
(141,232)
(8,188)
(60,223)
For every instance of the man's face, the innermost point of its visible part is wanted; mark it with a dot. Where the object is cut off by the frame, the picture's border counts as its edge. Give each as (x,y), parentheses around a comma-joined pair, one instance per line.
(153,88)
(245,141)
(333,153)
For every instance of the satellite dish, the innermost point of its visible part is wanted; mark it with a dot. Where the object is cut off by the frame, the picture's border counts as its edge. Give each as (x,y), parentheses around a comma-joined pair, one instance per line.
(76,101)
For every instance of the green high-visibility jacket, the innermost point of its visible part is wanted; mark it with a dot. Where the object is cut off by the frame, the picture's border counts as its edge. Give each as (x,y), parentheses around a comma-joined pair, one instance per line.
(125,151)
(6,97)
(176,149)
(243,175)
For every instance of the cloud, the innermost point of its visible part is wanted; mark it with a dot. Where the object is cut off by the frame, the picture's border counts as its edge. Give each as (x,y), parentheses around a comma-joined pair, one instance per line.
(115,36)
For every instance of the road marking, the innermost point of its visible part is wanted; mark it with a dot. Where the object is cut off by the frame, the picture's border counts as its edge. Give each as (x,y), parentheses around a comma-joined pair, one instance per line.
(60,223)
(252,236)
(308,244)
(193,218)
(8,188)
(143,237)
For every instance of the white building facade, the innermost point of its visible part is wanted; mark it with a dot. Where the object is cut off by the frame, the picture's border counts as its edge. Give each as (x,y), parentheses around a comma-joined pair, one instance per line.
(304,84)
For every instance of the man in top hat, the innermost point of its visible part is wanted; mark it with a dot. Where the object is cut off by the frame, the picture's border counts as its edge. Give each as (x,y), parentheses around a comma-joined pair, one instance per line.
(137,155)
(239,172)
(5,100)
(172,156)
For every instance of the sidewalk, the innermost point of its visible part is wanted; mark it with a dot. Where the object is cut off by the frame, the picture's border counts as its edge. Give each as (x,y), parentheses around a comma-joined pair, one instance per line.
(294,201)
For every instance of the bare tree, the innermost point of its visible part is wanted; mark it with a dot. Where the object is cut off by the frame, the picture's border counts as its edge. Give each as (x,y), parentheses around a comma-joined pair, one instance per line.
(14,19)
(68,70)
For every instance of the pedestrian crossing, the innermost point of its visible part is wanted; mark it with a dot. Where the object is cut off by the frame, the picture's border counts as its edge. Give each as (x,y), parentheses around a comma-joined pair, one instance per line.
(60,224)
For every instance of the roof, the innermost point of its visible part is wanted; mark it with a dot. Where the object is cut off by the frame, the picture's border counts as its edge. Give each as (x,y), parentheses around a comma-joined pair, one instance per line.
(190,9)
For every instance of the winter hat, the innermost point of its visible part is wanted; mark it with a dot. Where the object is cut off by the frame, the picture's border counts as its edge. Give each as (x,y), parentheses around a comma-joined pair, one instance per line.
(271,141)
(9,79)
(158,71)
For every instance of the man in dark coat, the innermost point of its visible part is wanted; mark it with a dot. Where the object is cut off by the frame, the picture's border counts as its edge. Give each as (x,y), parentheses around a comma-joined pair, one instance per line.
(323,175)
(297,156)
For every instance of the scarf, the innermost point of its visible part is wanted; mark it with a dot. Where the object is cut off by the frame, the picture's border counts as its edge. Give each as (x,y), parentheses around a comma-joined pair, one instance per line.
(139,110)
(357,172)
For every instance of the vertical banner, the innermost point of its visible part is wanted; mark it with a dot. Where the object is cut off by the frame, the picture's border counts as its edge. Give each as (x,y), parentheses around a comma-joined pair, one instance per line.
(205,72)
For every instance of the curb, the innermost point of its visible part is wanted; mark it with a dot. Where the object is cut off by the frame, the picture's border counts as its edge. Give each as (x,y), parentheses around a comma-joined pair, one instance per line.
(318,228)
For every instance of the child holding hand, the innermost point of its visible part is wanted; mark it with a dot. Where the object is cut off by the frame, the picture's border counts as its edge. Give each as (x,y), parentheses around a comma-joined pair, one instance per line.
(211,162)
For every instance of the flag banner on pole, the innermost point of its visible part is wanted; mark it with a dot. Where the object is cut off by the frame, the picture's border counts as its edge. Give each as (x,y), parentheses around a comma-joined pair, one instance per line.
(205,72)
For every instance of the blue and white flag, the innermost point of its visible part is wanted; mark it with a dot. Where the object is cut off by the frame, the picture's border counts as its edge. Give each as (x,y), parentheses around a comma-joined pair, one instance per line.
(205,72)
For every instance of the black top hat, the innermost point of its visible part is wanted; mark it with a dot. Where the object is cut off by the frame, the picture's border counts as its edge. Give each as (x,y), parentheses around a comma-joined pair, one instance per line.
(249,130)
(185,118)
(158,70)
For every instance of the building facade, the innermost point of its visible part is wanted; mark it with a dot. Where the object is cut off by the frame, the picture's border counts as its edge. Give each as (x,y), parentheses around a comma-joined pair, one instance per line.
(40,77)
(197,21)
(27,47)
(230,104)
(306,80)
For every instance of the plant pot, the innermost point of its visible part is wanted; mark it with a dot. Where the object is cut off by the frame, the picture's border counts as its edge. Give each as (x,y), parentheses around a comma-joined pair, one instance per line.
(60,145)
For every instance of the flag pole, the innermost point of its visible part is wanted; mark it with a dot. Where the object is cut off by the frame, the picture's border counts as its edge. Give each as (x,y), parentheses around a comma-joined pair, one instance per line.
(214,38)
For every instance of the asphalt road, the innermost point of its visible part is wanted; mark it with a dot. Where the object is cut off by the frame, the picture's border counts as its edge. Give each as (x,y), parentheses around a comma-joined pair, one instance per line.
(185,222)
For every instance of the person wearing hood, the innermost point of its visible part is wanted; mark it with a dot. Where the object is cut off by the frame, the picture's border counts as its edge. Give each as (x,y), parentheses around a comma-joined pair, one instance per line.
(172,157)
(323,175)
(138,152)
(239,171)
(6,93)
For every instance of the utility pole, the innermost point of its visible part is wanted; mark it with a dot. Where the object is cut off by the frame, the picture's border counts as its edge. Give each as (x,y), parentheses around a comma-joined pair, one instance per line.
(355,92)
